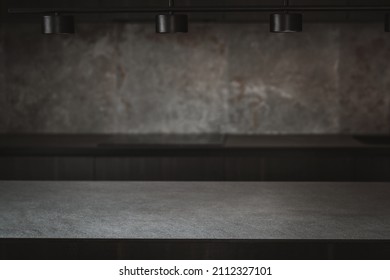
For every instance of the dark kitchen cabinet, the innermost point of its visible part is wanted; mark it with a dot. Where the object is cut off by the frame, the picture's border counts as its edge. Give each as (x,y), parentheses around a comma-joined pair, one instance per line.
(129,168)
(6,168)
(308,169)
(46,168)
(160,168)
(236,167)
(372,169)
(178,158)
(244,168)
(208,168)
(75,168)
(33,168)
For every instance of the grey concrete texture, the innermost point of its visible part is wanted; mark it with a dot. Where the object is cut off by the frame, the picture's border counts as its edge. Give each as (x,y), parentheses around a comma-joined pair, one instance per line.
(219,78)
(3,99)
(195,210)
(364,80)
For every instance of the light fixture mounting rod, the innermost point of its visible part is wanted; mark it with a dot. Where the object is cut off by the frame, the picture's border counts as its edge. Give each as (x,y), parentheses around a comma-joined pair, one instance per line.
(171,5)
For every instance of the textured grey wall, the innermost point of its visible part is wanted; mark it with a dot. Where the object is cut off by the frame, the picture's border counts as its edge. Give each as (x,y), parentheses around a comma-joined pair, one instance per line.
(220,78)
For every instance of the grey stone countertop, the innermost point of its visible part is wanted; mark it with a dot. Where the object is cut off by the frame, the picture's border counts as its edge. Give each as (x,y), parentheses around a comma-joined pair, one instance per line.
(202,210)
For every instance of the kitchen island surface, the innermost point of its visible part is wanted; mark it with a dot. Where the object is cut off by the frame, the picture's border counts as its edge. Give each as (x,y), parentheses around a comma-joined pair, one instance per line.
(195,210)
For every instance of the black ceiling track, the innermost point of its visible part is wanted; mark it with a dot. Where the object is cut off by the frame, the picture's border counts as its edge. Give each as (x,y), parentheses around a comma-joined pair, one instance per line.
(202,9)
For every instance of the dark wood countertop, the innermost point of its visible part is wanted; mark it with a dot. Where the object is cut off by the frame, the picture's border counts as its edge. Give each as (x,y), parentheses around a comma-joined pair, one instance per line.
(129,144)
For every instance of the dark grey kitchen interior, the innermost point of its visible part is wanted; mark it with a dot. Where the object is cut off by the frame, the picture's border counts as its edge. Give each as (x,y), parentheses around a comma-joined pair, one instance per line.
(223,141)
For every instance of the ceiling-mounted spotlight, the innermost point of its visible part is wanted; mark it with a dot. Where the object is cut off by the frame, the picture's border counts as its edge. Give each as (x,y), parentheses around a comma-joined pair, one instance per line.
(387,23)
(171,23)
(58,24)
(286,22)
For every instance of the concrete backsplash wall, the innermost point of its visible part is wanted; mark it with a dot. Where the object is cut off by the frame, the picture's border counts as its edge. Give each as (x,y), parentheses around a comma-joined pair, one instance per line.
(220,78)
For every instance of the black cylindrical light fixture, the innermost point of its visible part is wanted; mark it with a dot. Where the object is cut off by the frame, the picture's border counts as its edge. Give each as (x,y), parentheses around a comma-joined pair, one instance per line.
(58,24)
(387,23)
(286,23)
(171,23)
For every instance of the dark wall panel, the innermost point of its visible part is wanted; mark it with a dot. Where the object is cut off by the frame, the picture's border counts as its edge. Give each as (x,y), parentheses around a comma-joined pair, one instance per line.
(75,169)
(372,169)
(249,168)
(237,167)
(195,169)
(308,169)
(136,169)
(6,168)
(161,169)
(46,168)
(34,168)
